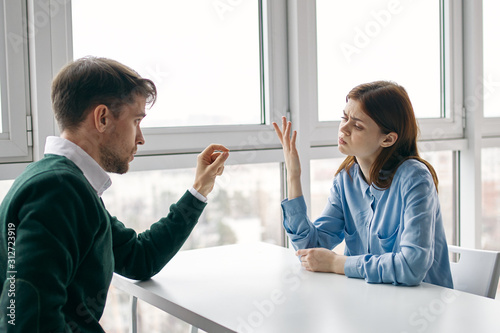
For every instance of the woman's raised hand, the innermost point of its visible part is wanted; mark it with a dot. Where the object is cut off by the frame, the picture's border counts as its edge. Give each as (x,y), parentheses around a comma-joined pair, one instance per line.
(291,157)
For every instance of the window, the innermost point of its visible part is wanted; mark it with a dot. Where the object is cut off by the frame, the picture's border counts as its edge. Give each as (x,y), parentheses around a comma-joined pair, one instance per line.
(3,79)
(490,170)
(211,61)
(442,162)
(1,106)
(4,188)
(173,42)
(384,40)
(365,41)
(491,90)
(239,211)
(14,135)
(322,174)
(491,198)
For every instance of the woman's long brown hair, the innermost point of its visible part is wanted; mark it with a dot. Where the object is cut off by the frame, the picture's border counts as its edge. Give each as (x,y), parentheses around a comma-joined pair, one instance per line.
(388,104)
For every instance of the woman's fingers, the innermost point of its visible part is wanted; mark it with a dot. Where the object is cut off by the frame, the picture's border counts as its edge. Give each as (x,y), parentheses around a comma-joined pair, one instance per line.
(284,133)
(278,132)
(294,138)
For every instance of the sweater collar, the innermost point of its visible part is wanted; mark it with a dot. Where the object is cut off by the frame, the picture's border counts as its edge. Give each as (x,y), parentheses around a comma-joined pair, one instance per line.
(95,175)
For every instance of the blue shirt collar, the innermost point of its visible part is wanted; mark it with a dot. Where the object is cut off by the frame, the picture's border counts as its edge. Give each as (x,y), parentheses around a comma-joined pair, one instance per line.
(368,190)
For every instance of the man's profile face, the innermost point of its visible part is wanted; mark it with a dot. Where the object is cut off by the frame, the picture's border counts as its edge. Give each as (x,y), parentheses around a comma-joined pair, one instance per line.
(120,144)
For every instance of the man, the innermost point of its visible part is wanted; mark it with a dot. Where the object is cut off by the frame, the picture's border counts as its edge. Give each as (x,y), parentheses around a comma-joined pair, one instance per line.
(59,245)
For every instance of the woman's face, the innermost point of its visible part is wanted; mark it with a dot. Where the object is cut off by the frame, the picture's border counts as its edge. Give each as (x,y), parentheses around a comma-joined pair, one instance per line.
(359,135)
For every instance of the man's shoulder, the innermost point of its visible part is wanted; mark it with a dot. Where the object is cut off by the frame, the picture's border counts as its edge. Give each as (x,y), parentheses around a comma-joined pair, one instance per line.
(50,172)
(52,166)
(53,180)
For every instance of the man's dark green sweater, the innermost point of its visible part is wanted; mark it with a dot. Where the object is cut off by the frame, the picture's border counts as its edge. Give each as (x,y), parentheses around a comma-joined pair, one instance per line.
(59,247)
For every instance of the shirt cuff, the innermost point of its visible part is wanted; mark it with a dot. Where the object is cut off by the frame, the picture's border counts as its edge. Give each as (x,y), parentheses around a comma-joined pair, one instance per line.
(294,206)
(197,195)
(352,267)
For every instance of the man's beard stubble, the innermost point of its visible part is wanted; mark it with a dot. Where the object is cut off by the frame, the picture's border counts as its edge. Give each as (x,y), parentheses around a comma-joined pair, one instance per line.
(111,162)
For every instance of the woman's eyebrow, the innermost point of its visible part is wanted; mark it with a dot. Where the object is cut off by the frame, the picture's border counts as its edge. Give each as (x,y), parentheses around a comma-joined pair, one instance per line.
(353,118)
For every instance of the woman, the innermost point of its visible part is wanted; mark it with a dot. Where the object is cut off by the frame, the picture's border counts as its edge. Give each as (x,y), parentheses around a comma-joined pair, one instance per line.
(383,201)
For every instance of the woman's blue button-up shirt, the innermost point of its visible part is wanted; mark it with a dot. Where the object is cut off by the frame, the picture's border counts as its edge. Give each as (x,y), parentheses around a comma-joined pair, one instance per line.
(392,236)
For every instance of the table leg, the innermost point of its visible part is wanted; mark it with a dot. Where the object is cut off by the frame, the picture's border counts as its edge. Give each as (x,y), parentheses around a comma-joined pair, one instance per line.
(133,314)
(194,329)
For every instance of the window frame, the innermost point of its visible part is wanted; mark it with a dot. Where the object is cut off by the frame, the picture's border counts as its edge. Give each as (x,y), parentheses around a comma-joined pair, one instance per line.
(15,138)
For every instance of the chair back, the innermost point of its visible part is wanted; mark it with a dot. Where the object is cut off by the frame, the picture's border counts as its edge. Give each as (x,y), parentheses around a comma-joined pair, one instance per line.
(476,271)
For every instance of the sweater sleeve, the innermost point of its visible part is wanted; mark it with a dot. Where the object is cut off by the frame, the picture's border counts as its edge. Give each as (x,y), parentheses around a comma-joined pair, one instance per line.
(141,256)
(50,226)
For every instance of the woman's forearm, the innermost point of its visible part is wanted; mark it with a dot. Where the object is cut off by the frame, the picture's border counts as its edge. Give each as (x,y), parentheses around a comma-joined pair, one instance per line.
(294,187)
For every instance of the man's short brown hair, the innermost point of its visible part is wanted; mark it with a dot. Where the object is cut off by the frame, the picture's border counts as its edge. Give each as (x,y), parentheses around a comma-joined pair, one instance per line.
(91,81)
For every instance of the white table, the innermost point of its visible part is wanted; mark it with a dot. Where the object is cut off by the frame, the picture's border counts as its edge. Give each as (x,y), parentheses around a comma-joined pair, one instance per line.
(262,288)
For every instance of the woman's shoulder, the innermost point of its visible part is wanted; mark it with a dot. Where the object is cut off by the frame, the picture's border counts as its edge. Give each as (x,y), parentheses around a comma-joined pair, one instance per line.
(413,171)
(413,165)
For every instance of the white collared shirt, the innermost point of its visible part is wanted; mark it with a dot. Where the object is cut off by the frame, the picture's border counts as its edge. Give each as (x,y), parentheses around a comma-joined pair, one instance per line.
(95,175)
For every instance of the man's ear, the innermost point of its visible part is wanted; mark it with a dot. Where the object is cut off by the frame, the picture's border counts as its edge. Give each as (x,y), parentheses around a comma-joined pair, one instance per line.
(101,114)
(390,139)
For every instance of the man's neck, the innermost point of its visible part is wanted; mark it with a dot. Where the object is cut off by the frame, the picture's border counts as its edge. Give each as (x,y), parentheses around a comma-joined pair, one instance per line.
(85,141)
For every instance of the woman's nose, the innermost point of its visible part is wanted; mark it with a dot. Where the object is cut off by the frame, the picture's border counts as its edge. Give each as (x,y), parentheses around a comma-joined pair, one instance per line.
(344,128)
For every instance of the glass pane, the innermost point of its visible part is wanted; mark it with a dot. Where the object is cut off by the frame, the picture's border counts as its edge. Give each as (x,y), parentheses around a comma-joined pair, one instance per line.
(3,77)
(238,211)
(323,172)
(202,55)
(368,40)
(490,174)
(4,188)
(491,92)
(1,106)
(442,161)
